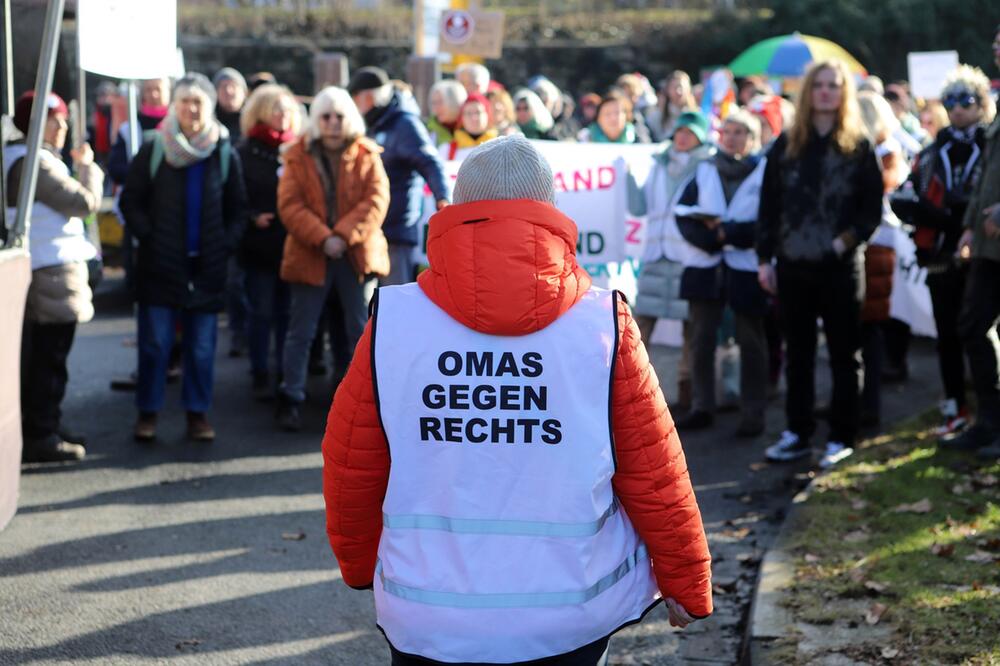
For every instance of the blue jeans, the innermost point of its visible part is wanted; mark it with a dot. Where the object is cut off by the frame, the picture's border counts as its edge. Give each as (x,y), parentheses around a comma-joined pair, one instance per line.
(156,336)
(268,301)
(402,266)
(308,303)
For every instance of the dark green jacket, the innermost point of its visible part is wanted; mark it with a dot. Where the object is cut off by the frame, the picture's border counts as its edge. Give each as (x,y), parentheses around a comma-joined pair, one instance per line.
(986,194)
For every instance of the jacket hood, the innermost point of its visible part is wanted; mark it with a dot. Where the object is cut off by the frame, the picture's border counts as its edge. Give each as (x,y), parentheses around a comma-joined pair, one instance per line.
(398,105)
(503,267)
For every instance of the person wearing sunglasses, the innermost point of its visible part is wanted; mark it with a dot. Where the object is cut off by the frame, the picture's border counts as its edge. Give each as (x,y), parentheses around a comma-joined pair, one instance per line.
(333,195)
(942,182)
(977,322)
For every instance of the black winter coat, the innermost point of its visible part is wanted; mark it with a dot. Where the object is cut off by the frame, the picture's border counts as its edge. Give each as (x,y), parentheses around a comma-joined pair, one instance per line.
(155,213)
(261,249)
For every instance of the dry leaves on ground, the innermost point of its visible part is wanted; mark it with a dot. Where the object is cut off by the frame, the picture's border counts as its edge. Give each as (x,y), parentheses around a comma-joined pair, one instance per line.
(812,559)
(980,557)
(943,549)
(985,480)
(859,505)
(875,613)
(856,536)
(923,506)
(890,653)
(293,536)
(875,586)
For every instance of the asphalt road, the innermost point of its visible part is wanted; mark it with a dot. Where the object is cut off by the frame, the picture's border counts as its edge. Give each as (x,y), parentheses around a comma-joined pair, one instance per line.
(216,554)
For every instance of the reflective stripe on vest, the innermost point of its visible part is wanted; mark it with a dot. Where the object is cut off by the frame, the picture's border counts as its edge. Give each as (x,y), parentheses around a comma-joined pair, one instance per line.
(502,539)
(523,600)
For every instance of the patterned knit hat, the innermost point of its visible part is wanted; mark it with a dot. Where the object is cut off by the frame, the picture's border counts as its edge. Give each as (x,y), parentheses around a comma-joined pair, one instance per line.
(505,168)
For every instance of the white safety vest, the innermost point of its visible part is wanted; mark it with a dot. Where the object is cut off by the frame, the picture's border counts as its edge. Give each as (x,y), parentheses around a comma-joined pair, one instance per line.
(53,238)
(502,539)
(743,207)
(663,238)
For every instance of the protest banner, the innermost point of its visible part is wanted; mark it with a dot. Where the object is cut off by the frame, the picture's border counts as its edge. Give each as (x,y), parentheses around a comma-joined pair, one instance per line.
(472,32)
(911,299)
(591,183)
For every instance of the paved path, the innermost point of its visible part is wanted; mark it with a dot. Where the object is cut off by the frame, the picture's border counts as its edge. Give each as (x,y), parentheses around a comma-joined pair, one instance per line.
(179,552)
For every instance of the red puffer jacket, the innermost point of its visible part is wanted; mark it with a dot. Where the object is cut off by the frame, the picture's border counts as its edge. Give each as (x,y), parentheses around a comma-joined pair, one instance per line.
(513,273)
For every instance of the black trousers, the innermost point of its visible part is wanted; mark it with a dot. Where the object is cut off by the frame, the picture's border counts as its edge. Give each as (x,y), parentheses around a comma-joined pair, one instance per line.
(977,325)
(947,289)
(44,350)
(594,654)
(832,291)
(873,355)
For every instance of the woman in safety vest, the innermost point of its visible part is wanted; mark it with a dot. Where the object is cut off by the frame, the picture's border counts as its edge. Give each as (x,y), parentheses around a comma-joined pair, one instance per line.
(500,465)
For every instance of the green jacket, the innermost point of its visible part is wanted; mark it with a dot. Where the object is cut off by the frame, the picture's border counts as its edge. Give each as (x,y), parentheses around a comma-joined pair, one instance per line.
(439,133)
(986,194)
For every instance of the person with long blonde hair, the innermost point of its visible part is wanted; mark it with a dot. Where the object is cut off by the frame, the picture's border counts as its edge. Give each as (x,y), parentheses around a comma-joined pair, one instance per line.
(821,200)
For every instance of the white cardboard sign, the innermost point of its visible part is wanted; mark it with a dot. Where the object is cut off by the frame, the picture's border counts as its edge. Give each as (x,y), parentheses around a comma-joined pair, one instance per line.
(927,71)
(128,39)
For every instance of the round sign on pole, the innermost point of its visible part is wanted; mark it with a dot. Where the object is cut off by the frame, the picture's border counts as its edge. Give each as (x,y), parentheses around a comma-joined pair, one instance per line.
(457,26)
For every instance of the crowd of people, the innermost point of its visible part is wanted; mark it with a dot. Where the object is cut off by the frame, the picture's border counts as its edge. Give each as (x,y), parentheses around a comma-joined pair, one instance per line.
(762,219)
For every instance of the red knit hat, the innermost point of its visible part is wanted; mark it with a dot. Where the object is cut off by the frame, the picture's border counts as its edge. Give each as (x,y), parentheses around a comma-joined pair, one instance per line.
(476,98)
(22,110)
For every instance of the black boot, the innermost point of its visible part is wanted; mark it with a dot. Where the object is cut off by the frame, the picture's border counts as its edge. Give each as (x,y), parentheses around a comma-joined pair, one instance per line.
(694,420)
(288,417)
(262,391)
(51,449)
(970,439)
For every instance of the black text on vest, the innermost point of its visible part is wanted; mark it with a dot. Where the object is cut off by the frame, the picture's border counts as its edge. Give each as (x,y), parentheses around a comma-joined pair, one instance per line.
(487,402)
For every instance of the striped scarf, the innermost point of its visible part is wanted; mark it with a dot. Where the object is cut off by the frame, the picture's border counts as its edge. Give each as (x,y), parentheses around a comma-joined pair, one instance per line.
(181,152)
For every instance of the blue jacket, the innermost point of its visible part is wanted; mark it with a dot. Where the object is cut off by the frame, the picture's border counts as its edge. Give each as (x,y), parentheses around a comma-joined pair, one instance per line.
(410,159)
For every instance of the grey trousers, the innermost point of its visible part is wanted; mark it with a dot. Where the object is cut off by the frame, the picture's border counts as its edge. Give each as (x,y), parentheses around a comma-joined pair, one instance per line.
(307,304)
(705,319)
(402,265)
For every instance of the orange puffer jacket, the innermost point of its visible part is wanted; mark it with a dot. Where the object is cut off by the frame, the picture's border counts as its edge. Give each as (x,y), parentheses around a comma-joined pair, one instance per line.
(362,200)
(512,273)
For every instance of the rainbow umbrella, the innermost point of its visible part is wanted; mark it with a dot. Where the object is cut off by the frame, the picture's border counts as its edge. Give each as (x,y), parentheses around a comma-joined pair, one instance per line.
(790,55)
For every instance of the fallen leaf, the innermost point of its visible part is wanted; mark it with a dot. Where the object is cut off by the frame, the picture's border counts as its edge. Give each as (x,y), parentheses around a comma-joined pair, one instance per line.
(990,544)
(746,558)
(876,586)
(975,510)
(961,488)
(859,505)
(812,559)
(757,466)
(746,499)
(923,506)
(889,653)
(875,613)
(856,536)
(741,533)
(188,643)
(985,480)
(293,536)
(856,575)
(724,587)
(943,549)
(980,557)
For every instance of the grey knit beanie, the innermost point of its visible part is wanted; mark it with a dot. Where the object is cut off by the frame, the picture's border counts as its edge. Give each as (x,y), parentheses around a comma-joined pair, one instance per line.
(229,74)
(505,168)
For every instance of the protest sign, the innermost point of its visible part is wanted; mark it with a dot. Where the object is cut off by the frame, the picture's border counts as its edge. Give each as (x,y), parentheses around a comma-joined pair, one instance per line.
(110,28)
(927,71)
(472,32)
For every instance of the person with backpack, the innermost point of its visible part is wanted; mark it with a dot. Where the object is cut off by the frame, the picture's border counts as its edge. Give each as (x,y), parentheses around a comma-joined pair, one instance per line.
(184,200)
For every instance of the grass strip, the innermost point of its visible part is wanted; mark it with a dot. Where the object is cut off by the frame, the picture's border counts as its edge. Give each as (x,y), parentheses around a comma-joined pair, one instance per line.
(905,535)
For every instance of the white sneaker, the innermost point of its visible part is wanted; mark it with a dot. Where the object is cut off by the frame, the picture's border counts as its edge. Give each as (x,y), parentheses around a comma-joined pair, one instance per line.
(788,448)
(835,452)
